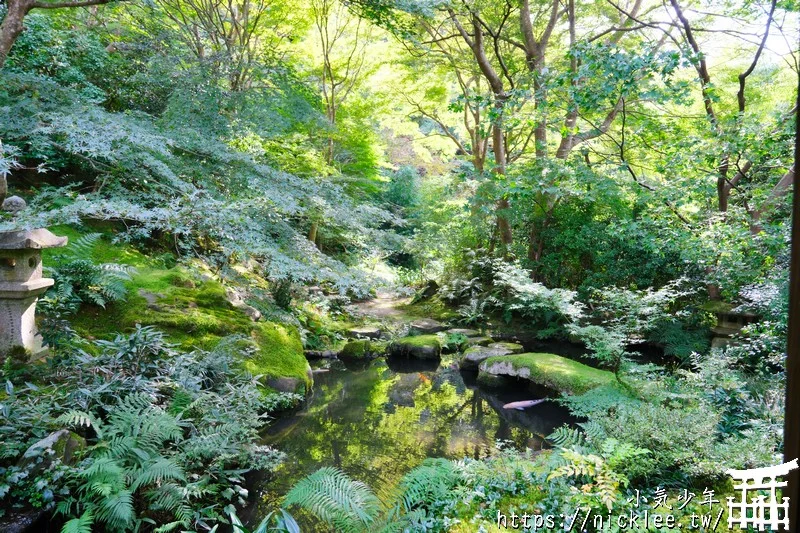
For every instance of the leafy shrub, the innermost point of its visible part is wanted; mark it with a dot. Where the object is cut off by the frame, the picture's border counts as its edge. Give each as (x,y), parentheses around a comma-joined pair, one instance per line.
(81,280)
(282,293)
(403,188)
(497,286)
(171,434)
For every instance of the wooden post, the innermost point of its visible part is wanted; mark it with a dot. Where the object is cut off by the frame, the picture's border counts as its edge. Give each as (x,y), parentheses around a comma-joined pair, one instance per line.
(791,446)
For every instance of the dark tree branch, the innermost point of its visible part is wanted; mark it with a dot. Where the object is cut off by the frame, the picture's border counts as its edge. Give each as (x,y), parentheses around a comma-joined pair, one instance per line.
(743,75)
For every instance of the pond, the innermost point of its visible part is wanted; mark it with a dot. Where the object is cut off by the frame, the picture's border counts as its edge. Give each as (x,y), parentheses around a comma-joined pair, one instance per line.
(376,421)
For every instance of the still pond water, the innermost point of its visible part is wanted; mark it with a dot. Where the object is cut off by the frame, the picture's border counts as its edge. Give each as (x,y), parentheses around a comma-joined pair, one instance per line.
(376,421)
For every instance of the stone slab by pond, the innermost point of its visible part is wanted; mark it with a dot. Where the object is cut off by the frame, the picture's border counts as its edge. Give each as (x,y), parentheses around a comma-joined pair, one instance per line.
(512,347)
(417,346)
(426,326)
(369,332)
(475,355)
(546,369)
(464,331)
(479,341)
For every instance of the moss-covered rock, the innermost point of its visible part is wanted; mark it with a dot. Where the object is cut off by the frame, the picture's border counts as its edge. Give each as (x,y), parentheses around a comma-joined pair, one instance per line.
(279,358)
(418,346)
(356,349)
(431,308)
(425,326)
(511,347)
(546,369)
(479,341)
(464,331)
(475,355)
(62,445)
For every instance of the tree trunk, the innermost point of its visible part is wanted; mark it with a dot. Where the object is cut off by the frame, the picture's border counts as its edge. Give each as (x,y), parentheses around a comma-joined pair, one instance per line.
(498,141)
(312,233)
(12,26)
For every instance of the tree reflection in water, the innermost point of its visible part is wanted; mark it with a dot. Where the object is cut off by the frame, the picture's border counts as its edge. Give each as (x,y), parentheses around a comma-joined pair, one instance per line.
(379,421)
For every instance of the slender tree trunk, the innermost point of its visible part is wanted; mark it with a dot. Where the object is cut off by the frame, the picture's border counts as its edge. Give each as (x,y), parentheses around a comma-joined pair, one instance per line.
(498,141)
(312,233)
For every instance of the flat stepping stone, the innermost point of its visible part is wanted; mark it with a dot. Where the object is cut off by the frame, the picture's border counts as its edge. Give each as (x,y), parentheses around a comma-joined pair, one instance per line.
(417,346)
(426,326)
(475,355)
(479,341)
(512,347)
(366,332)
(463,331)
(549,370)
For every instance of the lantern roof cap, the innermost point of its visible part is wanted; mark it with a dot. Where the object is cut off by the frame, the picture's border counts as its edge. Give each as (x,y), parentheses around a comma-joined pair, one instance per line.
(36,239)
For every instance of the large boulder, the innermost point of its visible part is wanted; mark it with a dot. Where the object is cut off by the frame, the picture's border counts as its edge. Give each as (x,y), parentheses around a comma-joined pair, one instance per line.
(549,370)
(428,291)
(426,326)
(479,341)
(62,445)
(475,355)
(417,346)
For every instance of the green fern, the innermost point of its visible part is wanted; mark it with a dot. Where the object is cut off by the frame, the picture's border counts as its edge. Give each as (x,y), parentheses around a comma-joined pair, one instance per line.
(157,472)
(335,499)
(592,431)
(83,524)
(80,418)
(429,482)
(83,246)
(565,436)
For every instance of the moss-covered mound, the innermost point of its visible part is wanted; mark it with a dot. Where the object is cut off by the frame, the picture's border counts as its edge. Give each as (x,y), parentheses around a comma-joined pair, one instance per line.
(475,355)
(195,312)
(417,346)
(546,369)
(356,349)
(479,341)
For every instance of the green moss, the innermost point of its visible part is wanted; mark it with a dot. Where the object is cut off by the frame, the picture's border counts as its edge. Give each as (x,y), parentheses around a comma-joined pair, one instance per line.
(419,346)
(421,341)
(279,354)
(193,312)
(512,347)
(550,370)
(717,306)
(433,308)
(358,349)
(104,251)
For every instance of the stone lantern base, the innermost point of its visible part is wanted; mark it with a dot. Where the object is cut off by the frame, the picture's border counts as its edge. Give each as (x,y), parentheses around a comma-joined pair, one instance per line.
(17,320)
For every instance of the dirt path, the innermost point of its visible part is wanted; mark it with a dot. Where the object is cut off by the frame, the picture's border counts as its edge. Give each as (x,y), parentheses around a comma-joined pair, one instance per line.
(384,308)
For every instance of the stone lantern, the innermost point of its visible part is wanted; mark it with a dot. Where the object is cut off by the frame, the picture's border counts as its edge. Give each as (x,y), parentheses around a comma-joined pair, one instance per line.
(21,284)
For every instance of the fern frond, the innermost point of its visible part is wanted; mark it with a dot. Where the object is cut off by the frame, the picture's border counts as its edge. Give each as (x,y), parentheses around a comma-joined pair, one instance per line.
(336,499)
(592,431)
(429,482)
(80,418)
(83,246)
(157,472)
(566,436)
(83,524)
(116,510)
